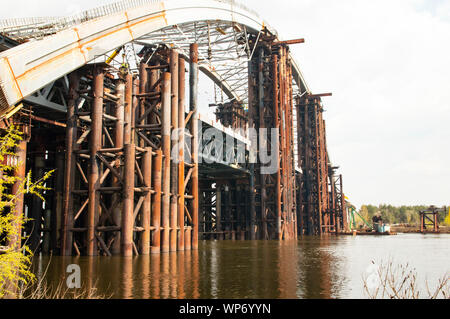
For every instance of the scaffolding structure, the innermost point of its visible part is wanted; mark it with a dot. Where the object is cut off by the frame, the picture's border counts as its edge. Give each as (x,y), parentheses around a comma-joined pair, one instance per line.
(136,171)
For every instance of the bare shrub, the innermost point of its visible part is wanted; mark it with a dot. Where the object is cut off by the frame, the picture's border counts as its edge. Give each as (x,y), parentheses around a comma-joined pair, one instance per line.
(399,281)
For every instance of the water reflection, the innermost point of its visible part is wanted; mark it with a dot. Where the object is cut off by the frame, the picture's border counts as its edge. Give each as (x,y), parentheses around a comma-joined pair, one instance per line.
(313,267)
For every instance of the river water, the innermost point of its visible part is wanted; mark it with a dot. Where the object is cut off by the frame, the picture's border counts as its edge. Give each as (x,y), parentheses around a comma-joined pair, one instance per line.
(327,267)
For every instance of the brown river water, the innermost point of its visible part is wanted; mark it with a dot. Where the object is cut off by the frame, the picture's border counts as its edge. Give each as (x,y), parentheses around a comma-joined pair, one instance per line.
(312,267)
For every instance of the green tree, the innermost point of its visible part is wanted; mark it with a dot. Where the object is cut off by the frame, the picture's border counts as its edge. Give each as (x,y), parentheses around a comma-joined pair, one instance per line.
(15,258)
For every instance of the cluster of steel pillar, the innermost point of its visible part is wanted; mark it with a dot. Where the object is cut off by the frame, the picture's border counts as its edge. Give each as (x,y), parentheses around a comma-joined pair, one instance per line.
(429,219)
(272,196)
(125,183)
(224,209)
(231,114)
(321,198)
(125,191)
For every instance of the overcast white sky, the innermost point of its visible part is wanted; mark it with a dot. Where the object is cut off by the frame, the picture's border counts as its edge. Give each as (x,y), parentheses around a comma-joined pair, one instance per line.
(387,63)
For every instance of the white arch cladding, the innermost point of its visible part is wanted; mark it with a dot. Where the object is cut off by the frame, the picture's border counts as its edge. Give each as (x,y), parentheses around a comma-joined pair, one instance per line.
(30,66)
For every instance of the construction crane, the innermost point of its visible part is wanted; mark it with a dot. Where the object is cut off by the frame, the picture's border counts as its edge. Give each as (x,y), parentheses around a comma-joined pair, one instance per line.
(352,219)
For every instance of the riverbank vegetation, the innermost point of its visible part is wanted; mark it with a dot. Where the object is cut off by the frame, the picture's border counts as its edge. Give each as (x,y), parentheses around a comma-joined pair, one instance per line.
(399,214)
(41,289)
(399,281)
(15,257)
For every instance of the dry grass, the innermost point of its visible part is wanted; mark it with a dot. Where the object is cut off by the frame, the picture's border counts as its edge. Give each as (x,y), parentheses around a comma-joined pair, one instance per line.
(42,290)
(400,282)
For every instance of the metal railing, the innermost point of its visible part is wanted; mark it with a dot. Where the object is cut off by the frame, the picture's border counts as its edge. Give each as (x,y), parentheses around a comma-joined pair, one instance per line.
(26,28)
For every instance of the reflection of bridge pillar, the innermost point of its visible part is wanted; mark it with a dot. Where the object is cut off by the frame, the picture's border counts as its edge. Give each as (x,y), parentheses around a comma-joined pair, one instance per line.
(195,274)
(165,276)
(155,269)
(181,293)
(146,280)
(287,271)
(173,276)
(127,278)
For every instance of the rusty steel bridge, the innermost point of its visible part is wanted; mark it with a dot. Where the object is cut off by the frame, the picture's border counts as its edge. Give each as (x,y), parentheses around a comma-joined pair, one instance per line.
(99,97)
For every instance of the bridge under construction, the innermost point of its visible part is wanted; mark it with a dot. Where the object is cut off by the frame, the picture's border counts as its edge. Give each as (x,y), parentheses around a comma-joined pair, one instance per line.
(110,99)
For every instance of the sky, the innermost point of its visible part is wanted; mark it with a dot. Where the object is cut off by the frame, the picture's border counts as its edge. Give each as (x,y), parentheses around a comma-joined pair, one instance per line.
(387,63)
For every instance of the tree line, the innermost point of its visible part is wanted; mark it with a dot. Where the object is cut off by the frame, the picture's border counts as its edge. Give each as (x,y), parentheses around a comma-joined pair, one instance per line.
(399,214)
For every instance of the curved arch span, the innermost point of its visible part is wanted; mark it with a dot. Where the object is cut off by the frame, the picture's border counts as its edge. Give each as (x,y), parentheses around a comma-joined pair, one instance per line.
(31,66)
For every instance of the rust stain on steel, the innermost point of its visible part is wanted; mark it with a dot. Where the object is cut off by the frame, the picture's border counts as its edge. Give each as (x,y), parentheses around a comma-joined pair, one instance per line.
(14,76)
(128,25)
(79,44)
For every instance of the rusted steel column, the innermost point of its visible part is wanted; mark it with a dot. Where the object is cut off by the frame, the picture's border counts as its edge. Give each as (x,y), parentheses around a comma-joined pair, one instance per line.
(277,126)
(293,181)
(285,133)
(174,165)
(143,83)
(119,135)
(46,240)
(56,217)
(119,129)
(36,213)
(422,222)
(219,210)
(317,170)
(156,207)
(251,125)
(95,143)
(181,125)
(134,110)
(19,174)
(165,105)
(188,238)
(333,201)
(128,201)
(263,141)
(146,205)
(283,154)
(307,171)
(70,167)
(343,206)
(193,89)
(128,109)
(154,77)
